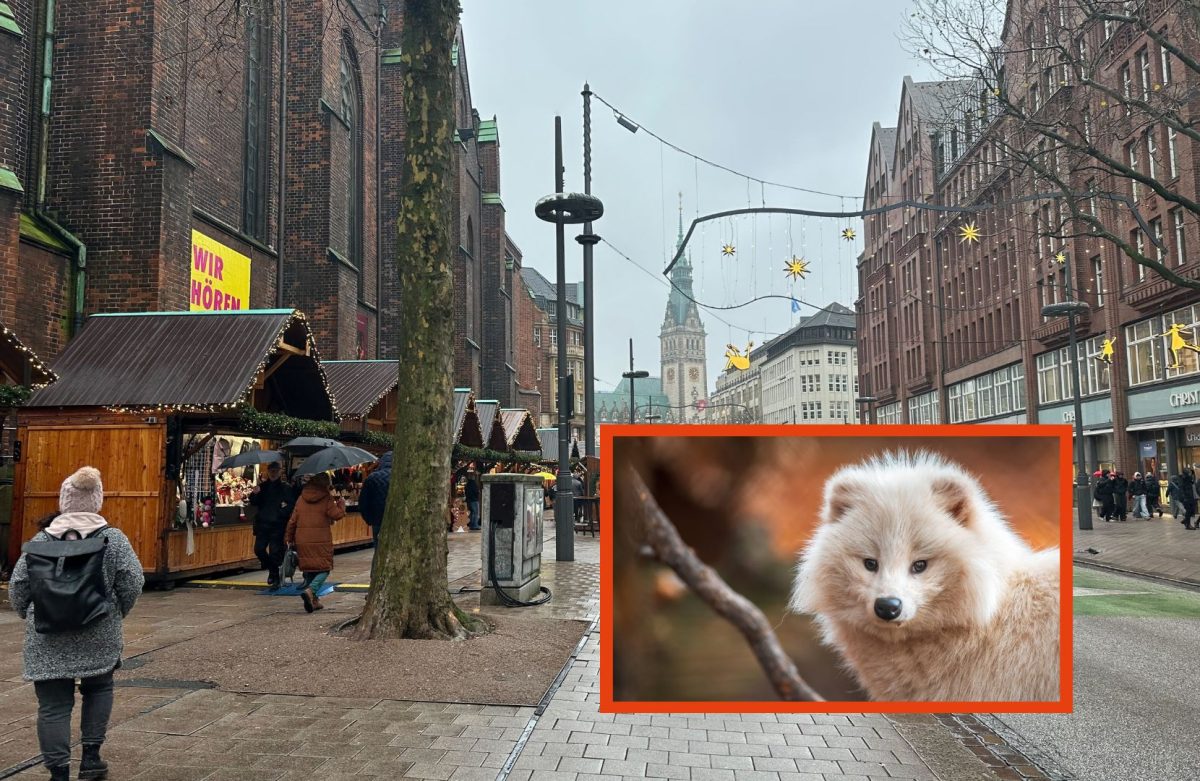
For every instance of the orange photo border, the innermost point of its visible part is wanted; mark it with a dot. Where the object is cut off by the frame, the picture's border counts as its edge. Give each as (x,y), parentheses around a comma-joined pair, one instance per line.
(1063,433)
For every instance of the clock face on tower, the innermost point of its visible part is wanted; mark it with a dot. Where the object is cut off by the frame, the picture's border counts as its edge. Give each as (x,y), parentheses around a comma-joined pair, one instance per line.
(693,374)
(670,375)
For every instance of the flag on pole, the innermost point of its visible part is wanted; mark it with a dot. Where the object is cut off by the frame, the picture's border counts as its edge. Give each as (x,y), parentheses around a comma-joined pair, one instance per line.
(795,305)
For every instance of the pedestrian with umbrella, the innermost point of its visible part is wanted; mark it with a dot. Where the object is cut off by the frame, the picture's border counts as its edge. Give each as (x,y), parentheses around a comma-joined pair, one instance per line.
(310,531)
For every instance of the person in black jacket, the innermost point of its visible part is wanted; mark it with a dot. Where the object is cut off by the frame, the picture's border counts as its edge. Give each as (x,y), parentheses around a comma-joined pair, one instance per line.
(1104,492)
(1137,490)
(1152,494)
(471,495)
(1186,496)
(274,499)
(373,497)
(1120,496)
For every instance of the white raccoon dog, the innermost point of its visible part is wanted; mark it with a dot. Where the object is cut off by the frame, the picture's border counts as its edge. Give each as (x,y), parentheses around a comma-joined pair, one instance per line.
(919,583)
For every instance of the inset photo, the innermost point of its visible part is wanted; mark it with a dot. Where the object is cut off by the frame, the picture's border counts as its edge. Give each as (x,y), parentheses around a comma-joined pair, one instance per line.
(813,568)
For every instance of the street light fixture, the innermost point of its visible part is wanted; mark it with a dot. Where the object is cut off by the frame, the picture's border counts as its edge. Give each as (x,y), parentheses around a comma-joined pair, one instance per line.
(564,209)
(1069,309)
(640,374)
(626,122)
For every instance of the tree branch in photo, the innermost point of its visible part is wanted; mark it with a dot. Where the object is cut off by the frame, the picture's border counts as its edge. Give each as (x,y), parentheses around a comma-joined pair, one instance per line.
(705,583)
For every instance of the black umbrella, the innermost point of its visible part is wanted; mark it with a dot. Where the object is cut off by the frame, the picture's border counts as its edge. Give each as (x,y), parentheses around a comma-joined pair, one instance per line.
(252,457)
(310,443)
(336,457)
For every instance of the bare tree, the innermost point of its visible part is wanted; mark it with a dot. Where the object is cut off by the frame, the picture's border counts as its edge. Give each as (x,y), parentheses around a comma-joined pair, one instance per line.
(408,596)
(1084,104)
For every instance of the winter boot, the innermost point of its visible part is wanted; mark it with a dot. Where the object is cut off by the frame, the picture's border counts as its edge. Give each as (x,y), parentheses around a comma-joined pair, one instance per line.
(60,773)
(309,598)
(316,602)
(92,766)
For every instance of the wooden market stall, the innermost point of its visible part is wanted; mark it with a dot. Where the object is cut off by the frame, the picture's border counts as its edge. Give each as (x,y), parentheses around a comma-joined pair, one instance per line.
(520,434)
(467,431)
(155,401)
(366,393)
(491,426)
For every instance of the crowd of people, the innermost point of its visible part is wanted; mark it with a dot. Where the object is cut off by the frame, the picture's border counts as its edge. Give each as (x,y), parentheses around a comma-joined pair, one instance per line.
(1116,497)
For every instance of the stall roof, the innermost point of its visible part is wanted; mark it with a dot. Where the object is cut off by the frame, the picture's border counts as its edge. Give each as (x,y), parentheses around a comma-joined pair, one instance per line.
(519,431)
(359,385)
(202,361)
(466,420)
(490,425)
(549,440)
(16,359)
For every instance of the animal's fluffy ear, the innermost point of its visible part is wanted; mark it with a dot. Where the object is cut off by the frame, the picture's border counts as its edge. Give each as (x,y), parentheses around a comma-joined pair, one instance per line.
(841,492)
(957,496)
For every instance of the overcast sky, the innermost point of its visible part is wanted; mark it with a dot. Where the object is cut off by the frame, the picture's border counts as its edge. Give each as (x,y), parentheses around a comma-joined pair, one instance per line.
(781,90)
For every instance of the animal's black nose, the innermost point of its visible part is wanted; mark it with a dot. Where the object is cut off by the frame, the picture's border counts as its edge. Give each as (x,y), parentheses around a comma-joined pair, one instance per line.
(888,608)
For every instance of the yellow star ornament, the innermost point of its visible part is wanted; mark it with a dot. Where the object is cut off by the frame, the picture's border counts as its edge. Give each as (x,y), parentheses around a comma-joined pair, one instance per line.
(969,233)
(796,267)
(848,234)
(1060,259)
(728,249)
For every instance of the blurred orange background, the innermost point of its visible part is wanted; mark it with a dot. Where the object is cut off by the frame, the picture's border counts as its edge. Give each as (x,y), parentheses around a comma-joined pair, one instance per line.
(747,505)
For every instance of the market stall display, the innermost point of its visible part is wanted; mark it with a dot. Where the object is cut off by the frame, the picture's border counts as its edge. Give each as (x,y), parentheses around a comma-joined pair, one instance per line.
(157,402)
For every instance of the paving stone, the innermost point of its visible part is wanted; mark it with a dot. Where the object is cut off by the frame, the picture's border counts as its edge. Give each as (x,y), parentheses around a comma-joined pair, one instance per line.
(685,759)
(658,770)
(580,765)
(713,774)
(832,753)
(732,763)
(623,767)
(776,764)
(755,775)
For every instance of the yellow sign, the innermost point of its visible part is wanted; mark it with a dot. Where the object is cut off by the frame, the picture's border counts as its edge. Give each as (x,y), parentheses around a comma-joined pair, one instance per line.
(220,276)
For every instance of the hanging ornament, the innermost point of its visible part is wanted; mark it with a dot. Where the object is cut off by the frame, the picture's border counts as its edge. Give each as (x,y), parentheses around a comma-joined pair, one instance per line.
(736,359)
(795,305)
(1060,258)
(1179,343)
(728,250)
(848,234)
(969,233)
(1106,351)
(796,267)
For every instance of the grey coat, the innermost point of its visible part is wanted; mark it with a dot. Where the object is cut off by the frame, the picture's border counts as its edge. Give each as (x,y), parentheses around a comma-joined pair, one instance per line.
(92,651)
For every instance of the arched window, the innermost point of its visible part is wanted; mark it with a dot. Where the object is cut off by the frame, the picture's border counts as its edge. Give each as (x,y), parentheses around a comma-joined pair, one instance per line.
(255,141)
(351,108)
(470,242)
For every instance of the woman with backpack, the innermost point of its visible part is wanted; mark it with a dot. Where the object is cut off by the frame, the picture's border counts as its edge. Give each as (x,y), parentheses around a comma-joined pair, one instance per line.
(73,625)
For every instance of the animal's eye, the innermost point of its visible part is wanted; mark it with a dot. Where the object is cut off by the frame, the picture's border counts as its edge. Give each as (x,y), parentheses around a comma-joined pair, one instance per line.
(919,566)
(871,565)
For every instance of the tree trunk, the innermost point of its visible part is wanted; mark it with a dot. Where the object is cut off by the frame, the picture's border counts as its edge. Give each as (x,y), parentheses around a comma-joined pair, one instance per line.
(409,595)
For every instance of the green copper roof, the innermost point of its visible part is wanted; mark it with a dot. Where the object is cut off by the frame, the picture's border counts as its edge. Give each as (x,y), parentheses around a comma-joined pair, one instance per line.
(454,55)
(488,131)
(493,198)
(9,181)
(8,20)
(390,57)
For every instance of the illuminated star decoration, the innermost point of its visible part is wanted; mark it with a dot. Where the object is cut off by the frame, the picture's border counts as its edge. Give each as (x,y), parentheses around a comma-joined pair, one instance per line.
(969,233)
(728,249)
(796,267)
(1060,259)
(848,234)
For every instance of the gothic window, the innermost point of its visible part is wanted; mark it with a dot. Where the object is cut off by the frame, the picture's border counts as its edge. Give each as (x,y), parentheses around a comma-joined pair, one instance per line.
(255,142)
(350,97)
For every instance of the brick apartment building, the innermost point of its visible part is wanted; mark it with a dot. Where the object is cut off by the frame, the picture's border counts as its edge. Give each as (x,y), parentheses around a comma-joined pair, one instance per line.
(951,331)
(544,295)
(165,156)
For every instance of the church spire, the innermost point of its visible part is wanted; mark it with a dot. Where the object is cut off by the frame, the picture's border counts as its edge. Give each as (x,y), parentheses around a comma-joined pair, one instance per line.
(680,305)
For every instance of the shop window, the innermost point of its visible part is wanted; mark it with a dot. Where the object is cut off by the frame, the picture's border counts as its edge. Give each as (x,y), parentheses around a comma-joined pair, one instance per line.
(1050,388)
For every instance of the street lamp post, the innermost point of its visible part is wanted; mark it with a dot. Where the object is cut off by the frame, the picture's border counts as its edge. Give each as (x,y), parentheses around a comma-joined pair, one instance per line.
(588,239)
(564,209)
(632,375)
(1070,308)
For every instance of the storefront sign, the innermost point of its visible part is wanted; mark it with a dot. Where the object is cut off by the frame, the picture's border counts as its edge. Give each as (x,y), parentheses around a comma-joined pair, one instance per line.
(220,276)
(1191,436)
(1184,398)
(1097,413)
(1149,449)
(1068,416)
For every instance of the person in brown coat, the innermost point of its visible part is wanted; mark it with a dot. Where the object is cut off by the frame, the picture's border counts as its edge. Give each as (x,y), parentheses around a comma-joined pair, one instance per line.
(309,531)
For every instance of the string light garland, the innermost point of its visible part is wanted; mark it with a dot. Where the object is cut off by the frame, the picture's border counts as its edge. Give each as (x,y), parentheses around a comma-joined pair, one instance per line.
(29,355)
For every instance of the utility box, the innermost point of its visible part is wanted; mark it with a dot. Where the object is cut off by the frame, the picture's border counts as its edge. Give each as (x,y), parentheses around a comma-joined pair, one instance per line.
(511,509)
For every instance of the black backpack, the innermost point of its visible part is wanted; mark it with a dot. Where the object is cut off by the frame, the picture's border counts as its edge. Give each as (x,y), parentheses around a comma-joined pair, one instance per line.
(66,580)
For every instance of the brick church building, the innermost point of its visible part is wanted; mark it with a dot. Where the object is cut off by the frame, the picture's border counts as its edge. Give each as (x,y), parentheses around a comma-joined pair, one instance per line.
(233,155)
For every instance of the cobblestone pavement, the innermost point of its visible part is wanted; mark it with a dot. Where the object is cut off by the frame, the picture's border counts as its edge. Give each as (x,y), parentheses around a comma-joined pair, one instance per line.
(1159,547)
(183,731)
